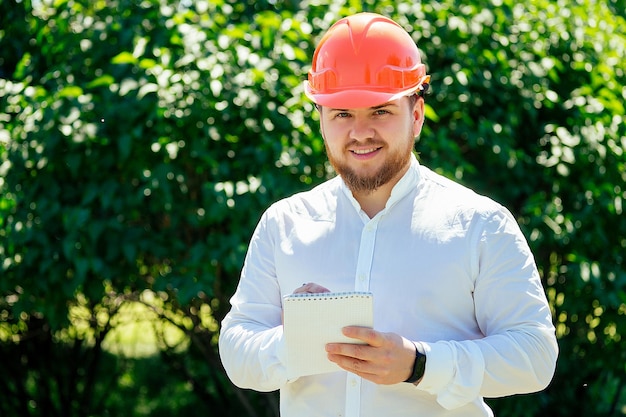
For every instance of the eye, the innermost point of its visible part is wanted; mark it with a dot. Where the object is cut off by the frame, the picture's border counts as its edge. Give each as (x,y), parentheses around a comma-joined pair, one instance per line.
(342,115)
(381,112)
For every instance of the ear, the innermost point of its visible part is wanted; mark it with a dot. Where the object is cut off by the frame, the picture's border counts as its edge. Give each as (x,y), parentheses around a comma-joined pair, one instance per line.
(418,116)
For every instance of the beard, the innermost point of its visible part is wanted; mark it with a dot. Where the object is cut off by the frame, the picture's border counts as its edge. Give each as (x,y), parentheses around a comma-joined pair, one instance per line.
(395,162)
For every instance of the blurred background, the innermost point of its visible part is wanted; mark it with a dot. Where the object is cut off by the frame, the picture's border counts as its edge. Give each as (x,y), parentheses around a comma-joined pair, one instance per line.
(140,140)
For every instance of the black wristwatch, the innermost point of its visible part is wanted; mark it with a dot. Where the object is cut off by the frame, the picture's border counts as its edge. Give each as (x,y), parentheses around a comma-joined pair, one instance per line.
(419,366)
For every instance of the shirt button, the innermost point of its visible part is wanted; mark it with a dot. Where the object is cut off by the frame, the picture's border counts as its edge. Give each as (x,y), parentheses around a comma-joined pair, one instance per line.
(353,382)
(361,277)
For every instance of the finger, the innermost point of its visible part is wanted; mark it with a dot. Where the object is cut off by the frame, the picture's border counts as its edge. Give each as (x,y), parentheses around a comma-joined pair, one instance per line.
(311,288)
(350,350)
(353,364)
(365,334)
(301,289)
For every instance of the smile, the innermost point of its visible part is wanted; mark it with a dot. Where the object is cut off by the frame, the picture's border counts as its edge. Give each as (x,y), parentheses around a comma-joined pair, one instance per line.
(364,151)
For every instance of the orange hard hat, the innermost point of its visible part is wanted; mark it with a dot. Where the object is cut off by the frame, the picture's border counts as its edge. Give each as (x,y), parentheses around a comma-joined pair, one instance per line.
(364,60)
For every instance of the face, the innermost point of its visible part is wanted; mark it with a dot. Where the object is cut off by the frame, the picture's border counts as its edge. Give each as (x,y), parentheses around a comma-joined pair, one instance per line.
(371,147)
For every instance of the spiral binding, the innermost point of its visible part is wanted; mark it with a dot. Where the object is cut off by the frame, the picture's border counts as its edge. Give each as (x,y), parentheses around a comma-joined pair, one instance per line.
(327,295)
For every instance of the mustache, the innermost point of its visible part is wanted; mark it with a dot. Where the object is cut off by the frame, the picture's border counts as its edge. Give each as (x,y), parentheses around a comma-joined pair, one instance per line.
(374,143)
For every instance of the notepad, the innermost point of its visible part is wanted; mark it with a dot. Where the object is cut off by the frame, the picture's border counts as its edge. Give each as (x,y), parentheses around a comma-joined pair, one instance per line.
(313,320)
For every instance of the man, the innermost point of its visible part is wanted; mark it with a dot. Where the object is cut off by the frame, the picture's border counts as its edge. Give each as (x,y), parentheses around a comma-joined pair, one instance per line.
(459,310)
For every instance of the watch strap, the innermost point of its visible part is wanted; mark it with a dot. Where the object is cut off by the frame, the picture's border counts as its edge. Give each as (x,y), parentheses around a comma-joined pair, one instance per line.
(419,366)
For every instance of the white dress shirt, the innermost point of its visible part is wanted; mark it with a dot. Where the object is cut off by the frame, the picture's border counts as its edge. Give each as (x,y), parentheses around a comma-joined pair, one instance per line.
(448,268)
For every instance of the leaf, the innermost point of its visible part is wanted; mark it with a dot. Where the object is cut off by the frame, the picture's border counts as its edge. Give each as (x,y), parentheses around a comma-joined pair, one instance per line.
(82,266)
(71,91)
(130,251)
(430,113)
(104,80)
(124,58)
(146,63)
(124,145)
(147,89)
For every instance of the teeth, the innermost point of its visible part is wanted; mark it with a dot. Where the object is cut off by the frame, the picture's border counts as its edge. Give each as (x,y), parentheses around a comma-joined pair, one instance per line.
(363,151)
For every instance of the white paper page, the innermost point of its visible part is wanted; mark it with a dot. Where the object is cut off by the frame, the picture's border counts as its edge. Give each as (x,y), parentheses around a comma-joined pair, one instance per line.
(313,320)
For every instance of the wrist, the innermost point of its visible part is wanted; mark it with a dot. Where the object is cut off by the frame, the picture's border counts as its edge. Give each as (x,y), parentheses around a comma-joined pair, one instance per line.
(419,367)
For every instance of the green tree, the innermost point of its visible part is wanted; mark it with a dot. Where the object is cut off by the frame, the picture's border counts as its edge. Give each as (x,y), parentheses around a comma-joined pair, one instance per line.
(140,141)
(133,159)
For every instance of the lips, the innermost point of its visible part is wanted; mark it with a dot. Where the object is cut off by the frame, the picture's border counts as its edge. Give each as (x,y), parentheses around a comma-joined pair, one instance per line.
(364,151)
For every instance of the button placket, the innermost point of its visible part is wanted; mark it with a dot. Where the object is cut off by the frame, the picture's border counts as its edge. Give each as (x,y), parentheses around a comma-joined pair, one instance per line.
(361,283)
(366,255)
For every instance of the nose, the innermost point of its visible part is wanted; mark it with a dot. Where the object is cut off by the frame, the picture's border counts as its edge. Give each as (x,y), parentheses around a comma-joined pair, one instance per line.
(361,129)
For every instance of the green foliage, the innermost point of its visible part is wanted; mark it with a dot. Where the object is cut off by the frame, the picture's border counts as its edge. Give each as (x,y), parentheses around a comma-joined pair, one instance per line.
(140,141)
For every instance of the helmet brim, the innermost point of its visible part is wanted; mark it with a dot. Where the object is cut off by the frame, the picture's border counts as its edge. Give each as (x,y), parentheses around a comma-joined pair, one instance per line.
(354,98)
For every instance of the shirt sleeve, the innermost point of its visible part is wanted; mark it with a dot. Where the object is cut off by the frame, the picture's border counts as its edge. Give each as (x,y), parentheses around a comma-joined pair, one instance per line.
(519,349)
(251,343)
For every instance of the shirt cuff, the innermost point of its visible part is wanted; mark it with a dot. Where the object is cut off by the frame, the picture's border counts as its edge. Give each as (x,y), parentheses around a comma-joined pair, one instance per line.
(439,367)
(453,384)
(281,353)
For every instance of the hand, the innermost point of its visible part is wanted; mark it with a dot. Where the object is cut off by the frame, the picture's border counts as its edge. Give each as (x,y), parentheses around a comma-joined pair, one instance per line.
(311,288)
(386,358)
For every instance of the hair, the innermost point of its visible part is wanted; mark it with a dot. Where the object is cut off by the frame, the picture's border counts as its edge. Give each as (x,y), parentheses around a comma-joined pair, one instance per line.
(413,98)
